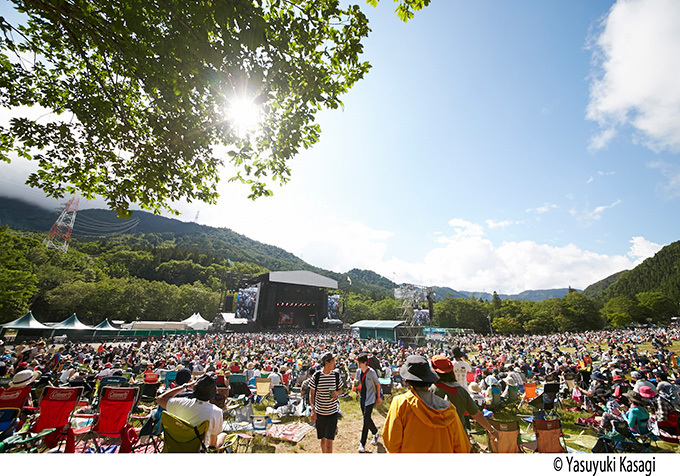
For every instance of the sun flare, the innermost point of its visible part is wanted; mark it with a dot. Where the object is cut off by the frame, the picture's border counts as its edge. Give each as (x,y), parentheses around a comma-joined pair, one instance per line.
(244,115)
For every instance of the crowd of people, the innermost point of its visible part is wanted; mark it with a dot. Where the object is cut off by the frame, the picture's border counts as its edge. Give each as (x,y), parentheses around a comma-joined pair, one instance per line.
(445,380)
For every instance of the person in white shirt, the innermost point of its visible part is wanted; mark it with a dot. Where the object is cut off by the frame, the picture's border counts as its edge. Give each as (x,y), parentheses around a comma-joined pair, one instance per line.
(198,409)
(460,366)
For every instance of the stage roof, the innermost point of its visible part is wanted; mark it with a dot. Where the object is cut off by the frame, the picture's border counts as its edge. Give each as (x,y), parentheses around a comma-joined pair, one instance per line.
(303,278)
(377,324)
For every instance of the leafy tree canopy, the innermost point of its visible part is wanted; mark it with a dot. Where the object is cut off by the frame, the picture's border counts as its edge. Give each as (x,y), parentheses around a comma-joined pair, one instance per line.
(141,91)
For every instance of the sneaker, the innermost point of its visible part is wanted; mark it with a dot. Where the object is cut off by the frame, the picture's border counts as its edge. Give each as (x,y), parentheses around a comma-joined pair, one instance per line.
(361,448)
(374,441)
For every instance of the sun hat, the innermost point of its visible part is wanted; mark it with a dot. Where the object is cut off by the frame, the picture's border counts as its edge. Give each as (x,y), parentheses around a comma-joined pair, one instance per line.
(24,377)
(491,380)
(664,387)
(206,387)
(474,387)
(635,397)
(327,357)
(599,376)
(441,364)
(636,375)
(618,378)
(647,392)
(108,365)
(417,368)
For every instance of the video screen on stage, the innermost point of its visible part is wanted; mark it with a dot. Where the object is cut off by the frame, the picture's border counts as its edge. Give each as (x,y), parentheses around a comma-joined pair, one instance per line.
(285,319)
(421,316)
(334,306)
(410,292)
(246,301)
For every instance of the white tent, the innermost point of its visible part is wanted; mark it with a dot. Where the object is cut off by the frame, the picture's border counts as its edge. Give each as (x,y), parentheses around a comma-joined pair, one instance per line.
(197,322)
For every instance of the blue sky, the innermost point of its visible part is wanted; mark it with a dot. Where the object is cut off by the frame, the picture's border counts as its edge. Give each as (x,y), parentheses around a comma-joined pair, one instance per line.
(494,145)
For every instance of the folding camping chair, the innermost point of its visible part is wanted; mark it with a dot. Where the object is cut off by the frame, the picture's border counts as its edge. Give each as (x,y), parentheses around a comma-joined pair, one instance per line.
(280,395)
(148,392)
(169,378)
(114,381)
(507,438)
(669,429)
(239,388)
(181,437)
(235,378)
(56,407)
(263,387)
(621,440)
(115,407)
(549,437)
(530,391)
(12,401)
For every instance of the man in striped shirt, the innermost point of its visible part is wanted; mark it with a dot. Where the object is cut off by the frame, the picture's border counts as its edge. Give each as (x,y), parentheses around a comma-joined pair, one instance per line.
(324,391)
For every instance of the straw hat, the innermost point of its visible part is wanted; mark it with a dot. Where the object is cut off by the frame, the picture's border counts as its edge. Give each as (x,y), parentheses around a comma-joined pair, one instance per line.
(24,377)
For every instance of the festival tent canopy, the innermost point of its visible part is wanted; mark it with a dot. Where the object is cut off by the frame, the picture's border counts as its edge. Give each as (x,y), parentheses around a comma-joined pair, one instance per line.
(106,326)
(197,322)
(377,329)
(71,323)
(25,322)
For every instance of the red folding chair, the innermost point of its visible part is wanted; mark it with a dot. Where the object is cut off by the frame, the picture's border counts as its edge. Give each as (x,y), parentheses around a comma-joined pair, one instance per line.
(12,406)
(56,407)
(111,421)
(12,401)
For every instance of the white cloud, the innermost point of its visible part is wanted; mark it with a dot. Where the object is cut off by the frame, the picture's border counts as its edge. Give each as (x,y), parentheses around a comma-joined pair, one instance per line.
(546,207)
(596,214)
(637,67)
(491,224)
(671,189)
(642,249)
(472,262)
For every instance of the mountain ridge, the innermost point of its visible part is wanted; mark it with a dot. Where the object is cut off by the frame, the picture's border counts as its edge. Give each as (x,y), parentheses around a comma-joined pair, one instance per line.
(24,215)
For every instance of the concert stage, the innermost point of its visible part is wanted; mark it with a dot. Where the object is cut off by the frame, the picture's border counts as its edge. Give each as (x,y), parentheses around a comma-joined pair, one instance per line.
(286,300)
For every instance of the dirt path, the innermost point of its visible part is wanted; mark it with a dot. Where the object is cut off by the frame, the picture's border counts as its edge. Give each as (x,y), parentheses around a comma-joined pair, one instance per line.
(346,440)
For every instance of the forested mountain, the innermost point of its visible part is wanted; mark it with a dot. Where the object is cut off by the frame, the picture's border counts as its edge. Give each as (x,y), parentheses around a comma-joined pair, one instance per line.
(660,273)
(599,287)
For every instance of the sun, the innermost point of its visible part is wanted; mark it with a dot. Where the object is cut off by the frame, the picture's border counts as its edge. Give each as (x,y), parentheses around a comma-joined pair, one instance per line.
(244,115)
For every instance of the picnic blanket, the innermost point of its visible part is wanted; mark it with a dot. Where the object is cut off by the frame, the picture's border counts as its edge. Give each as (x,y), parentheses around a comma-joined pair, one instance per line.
(292,432)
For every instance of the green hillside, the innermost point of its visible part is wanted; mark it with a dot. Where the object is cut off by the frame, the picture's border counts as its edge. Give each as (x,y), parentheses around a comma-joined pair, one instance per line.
(660,273)
(599,287)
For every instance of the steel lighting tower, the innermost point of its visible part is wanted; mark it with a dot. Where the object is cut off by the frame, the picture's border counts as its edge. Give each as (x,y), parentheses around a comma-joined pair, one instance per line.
(60,234)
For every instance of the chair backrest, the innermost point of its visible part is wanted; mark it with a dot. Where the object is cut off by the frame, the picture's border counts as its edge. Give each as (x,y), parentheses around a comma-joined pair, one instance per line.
(244,413)
(252,381)
(181,437)
(262,387)
(548,434)
(115,406)
(9,419)
(470,377)
(570,379)
(149,390)
(237,378)
(4,382)
(151,377)
(551,388)
(508,434)
(170,377)
(14,397)
(280,394)
(239,388)
(530,390)
(113,380)
(56,407)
